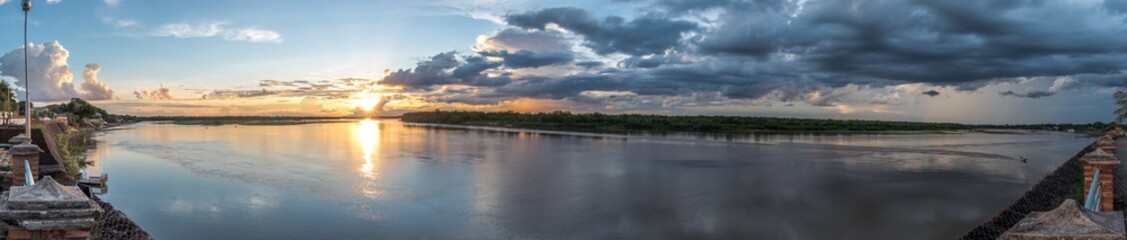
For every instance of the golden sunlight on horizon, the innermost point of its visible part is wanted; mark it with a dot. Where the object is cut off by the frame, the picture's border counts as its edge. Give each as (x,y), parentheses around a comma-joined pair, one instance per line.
(366,100)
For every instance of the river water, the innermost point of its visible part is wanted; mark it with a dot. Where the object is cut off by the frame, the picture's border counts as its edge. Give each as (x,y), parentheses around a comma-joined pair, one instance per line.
(390,180)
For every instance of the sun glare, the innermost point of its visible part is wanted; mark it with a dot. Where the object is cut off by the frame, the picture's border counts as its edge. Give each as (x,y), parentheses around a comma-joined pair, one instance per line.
(366,100)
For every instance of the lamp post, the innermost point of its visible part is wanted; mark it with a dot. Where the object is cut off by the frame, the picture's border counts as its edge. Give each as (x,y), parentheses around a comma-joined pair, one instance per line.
(26,91)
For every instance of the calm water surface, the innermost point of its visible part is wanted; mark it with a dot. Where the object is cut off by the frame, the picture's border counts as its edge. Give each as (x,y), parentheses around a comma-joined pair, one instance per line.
(387,179)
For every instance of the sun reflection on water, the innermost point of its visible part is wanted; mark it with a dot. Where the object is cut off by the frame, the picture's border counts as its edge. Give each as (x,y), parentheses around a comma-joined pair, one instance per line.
(368,136)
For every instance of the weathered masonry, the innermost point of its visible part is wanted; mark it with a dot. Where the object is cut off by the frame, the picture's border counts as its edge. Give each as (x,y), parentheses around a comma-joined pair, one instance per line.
(42,209)
(1096,219)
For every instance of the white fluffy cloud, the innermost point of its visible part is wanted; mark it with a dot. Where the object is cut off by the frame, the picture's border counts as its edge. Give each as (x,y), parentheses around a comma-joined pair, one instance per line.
(253,35)
(91,87)
(217,29)
(51,77)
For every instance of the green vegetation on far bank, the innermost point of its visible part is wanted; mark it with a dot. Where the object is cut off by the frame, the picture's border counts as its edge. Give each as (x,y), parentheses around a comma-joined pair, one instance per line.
(247,120)
(598,122)
(621,123)
(82,113)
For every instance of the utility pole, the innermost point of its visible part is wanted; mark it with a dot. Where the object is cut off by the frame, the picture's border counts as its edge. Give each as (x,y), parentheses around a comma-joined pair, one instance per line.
(26,91)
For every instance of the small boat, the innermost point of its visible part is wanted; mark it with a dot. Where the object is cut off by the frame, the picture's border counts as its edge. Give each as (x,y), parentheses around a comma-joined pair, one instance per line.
(1023,159)
(94,181)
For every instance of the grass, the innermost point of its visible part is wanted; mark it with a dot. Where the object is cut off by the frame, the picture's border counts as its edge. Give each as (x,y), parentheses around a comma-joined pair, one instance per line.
(73,148)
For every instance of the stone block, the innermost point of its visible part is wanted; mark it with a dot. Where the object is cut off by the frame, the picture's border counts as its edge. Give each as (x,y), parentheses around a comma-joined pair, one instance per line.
(1069,221)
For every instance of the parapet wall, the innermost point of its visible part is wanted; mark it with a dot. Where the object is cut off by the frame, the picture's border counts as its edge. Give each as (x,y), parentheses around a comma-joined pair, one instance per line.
(1046,195)
(111,225)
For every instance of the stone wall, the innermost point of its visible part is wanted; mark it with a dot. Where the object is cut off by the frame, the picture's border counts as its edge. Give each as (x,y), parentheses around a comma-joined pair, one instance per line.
(37,137)
(1046,195)
(115,225)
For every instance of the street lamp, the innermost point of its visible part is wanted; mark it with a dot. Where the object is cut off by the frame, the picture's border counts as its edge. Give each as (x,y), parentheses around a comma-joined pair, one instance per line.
(26,91)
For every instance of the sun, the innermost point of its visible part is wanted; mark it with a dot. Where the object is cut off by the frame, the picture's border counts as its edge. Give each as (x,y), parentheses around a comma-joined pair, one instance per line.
(365,100)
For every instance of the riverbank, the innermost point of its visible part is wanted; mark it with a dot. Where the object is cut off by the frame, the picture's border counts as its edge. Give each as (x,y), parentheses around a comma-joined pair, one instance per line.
(636,123)
(251,120)
(1061,184)
(625,123)
(112,224)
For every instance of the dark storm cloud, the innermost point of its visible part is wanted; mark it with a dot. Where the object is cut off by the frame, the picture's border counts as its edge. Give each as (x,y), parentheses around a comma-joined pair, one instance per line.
(446,68)
(529,59)
(1031,94)
(589,64)
(650,61)
(933,41)
(693,6)
(790,50)
(1116,6)
(649,34)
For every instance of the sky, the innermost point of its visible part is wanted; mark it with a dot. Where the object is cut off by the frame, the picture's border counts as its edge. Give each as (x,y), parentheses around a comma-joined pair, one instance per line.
(981,62)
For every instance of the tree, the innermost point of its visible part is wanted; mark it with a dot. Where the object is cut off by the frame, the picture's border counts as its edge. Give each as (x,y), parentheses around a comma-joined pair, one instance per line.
(7,102)
(21,109)
(1121,100)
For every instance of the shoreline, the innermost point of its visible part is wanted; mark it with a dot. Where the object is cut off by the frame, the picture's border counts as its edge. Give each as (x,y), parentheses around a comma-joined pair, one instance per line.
(267,121)
(733,133)
(113,224)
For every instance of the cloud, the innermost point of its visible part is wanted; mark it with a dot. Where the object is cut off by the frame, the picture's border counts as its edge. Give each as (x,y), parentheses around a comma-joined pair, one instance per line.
(589,64)
(160,94)
(445,69)
(941,42)
(826,98)
(217,29)
(92,88)
(229,94)
(649,34)
(650,61)
(777,50)
(253,35)
(529,59)
(54,1)
(320,89)
(1030,94)
(515,39)
(50,74)
(1065,83)
(112,2)
(184,30)
(847,56)
(119,22)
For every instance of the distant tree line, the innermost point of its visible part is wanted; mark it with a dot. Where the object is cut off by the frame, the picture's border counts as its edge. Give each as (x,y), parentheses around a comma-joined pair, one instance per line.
(78,110)
(1081,127)
(599,122)
(246,120)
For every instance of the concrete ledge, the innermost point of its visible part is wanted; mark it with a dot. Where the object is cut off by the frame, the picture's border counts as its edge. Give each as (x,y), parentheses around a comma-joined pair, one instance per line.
(1069,221)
